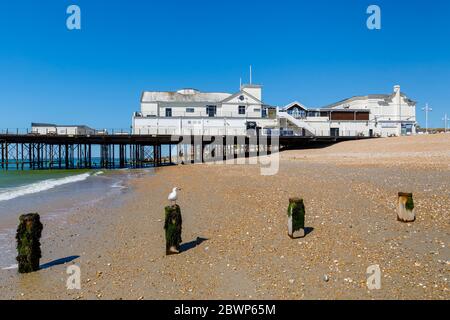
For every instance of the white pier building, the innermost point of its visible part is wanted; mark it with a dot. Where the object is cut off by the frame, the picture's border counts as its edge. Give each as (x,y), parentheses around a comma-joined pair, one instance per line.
(191,112)
(56,129)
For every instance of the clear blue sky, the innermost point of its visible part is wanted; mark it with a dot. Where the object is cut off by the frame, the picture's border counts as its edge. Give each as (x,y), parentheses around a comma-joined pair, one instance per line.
(316,52)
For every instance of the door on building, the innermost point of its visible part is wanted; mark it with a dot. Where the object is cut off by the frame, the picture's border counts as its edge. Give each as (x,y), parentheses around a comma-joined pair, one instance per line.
(211,111)
(168,112)
(334,132)
(406,129)
(370,132)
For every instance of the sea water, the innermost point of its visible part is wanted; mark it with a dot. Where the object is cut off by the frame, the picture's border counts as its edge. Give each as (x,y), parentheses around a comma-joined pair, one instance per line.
(53,194)
(14,184)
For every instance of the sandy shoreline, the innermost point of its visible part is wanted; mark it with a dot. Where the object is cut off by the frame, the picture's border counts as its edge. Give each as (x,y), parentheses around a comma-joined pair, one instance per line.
(57,203)
(351,210)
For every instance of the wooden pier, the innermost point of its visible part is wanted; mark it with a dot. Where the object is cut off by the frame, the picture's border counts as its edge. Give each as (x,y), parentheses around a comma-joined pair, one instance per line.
(34,151)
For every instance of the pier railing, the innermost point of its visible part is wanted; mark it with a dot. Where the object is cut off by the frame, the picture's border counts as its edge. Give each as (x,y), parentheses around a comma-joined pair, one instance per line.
(175,131)
(121,148)
(40,151)
(84,132)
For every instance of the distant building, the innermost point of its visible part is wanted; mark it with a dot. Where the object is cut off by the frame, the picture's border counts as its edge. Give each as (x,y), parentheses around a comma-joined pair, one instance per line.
(376,114)
(48,128)
(189,111)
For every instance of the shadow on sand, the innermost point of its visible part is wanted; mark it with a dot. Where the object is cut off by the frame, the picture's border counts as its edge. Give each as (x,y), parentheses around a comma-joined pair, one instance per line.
(57,262)
(190,245)
(308,230)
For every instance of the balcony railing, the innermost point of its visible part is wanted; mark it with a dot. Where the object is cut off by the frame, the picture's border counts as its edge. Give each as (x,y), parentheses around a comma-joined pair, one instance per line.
(203,114)
(212,131)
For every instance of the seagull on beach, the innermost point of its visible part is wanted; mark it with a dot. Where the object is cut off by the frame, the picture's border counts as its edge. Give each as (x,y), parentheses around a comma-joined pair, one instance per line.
(173,196)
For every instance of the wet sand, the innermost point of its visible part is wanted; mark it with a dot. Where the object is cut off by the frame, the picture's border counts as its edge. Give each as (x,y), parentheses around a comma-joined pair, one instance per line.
(350,192)
(57,203)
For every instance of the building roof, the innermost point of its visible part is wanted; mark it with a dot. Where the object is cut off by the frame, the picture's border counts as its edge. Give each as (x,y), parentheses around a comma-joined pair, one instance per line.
(183,95)
(343,110)
(34,124)
(386,97)
(241,93)
(250,85)
(293,104)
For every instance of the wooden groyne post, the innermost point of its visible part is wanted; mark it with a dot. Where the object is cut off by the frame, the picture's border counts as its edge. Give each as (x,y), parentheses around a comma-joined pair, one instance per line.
(28,242)
(296,218)
(406,211)
(172,227)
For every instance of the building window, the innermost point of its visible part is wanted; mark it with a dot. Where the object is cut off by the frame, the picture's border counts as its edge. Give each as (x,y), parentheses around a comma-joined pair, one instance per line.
(168,112)
(257,110)
(190,110)
(313,114)
(264,113)
(211,111)
(241,109)
(297,112)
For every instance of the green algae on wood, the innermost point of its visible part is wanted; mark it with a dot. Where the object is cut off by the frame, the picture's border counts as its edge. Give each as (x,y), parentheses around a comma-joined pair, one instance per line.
(28,242)
(409,203)
(172,227)
(296,217)
(406,212)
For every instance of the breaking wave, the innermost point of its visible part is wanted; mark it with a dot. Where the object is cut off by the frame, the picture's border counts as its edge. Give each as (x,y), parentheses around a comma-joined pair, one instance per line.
(11,193)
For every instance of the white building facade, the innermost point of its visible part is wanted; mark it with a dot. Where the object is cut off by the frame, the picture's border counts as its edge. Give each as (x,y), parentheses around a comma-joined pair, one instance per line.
(49,129)
(191,112)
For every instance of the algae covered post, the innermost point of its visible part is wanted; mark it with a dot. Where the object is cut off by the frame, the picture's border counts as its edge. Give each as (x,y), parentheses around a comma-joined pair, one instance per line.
(406,211)
(296,218)
(28,246)
(172,227)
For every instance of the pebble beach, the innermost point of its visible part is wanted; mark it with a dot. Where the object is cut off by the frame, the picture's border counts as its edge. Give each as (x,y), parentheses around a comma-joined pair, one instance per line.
(235,243)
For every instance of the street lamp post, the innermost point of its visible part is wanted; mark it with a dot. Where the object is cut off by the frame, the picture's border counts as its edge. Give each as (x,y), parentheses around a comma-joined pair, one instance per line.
(445,119)
(426,109)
